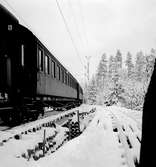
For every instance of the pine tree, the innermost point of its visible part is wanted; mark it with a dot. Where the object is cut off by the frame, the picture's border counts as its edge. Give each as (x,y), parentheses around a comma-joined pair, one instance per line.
(92,91)
(140,66)
(118,60)
(150,60)
(112,67)
(112,86)
(116,91)
(102,71)
(129,65)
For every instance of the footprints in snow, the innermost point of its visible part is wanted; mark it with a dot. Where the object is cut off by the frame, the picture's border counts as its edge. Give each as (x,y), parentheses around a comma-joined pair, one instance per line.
(104,125)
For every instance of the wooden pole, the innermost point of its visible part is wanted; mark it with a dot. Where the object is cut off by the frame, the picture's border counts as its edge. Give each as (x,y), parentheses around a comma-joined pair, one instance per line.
(78,119)
(44,142)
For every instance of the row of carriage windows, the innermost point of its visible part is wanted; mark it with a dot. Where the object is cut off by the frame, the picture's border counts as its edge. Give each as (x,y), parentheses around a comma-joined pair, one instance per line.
(50,67)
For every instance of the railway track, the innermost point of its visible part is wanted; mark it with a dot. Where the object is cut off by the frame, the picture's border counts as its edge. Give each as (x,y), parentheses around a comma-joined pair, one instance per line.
(4,127)
(49,119)
(42,137)
(130,143)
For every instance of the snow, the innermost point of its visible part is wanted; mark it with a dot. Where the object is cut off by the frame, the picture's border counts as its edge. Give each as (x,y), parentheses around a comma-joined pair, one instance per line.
(135,115)
(35,124)
(19,148)
(131,120)
(85,120)
(86,108)
(10,161)
(103,142)
(99,144)
(91,148)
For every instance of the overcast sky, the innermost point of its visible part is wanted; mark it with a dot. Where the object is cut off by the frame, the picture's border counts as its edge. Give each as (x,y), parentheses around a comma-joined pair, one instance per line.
(97,27)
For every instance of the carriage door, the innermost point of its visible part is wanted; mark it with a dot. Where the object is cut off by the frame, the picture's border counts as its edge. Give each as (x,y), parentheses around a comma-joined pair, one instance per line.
(5,73)
(78,91)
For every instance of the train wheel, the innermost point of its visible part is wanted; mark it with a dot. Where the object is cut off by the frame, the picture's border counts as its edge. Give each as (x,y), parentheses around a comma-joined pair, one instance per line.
(18,116)
(8,117)
(35,116)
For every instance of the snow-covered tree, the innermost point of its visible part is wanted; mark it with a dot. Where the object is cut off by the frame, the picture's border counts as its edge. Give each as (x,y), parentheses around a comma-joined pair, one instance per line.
(92,91)
(112,66)
(140,66)
(114,84)
(116,90)
(102,71)
(150,60)
(104,93)
(118,60)
(134,93)
(129,64)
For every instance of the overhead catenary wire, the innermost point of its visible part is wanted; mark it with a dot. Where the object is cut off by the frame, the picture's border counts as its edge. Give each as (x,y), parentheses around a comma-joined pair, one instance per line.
(68,30)
(78,28)
(79,33)
(87,67)
(82,35)
(83,22)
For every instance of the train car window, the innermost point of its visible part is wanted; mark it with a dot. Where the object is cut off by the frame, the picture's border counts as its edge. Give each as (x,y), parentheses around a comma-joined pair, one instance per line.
(40,59)
(22,55)
(58,73)
(62,75)
(47,66)
(68,80)
(65,78)
(72,83)
(75,85)
(53,68)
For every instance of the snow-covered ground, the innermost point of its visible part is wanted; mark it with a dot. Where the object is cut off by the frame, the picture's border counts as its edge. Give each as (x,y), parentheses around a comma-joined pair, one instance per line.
(35,124)
(112,139)
(129,132)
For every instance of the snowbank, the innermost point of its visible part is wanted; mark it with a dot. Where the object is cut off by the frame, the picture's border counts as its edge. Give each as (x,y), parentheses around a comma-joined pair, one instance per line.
(98,145)
(111,139)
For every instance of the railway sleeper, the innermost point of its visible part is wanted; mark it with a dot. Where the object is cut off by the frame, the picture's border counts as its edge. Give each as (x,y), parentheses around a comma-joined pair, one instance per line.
(128,142)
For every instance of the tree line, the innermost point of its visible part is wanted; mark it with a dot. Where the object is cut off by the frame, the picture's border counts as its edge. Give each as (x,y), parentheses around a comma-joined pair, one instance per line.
(122,82)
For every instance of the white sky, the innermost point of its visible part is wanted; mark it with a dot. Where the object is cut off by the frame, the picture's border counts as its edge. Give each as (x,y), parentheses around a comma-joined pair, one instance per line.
(97,27)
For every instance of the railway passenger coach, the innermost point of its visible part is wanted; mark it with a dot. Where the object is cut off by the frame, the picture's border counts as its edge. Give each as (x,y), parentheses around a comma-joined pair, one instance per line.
(30,76)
